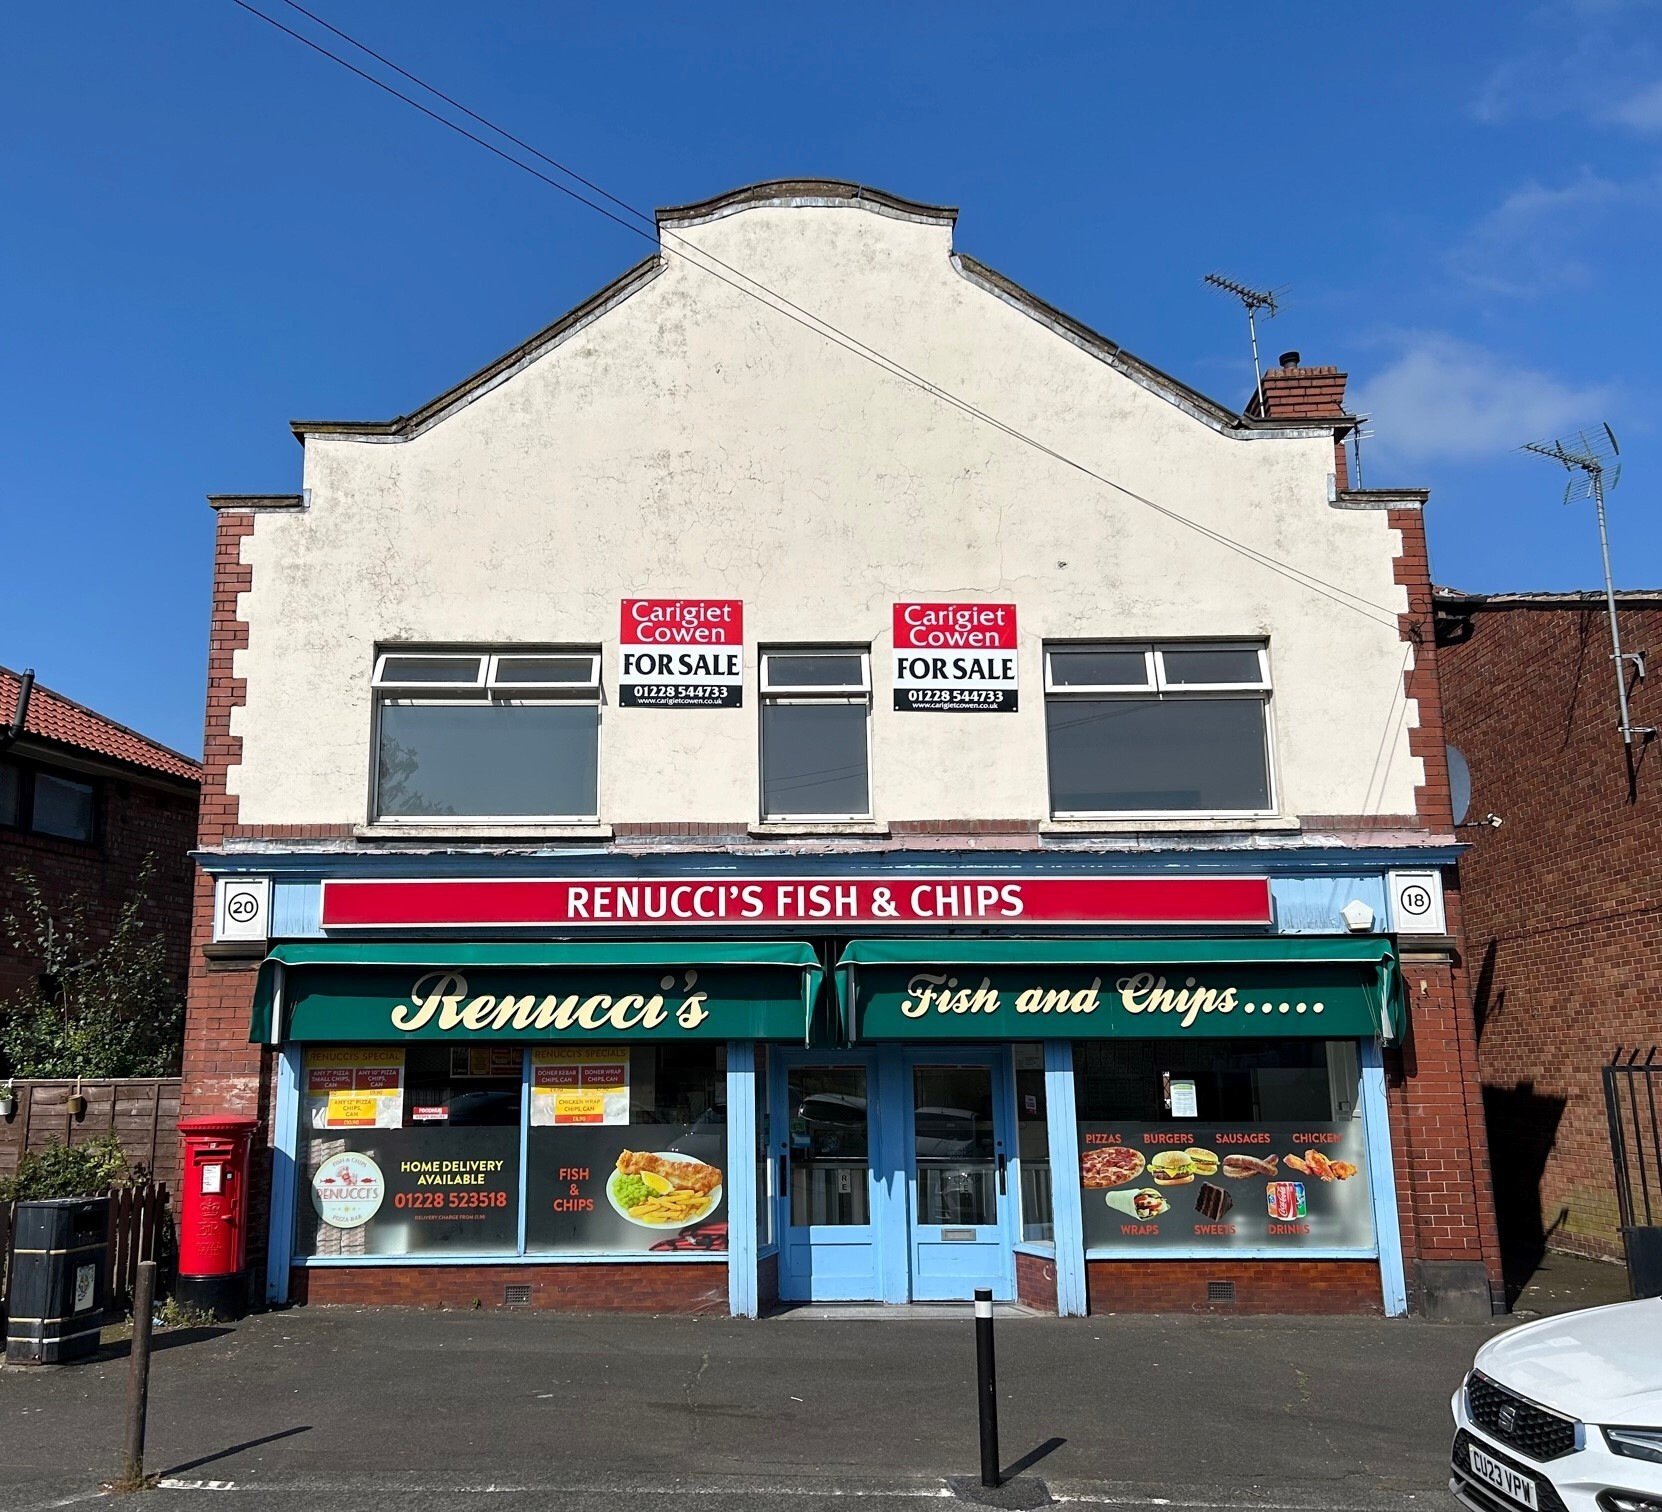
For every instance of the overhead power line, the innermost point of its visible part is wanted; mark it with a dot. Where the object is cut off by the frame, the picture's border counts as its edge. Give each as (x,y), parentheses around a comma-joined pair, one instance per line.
(645,226)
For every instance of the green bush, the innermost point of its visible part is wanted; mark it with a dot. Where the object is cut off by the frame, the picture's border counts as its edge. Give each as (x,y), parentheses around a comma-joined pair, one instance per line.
(83,1170)
(101,1006)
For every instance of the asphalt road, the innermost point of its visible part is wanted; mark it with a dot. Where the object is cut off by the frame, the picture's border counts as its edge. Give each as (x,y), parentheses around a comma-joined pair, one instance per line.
(346,1409)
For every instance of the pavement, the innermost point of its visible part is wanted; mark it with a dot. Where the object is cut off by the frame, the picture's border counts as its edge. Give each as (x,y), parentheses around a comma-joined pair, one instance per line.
(354,1408)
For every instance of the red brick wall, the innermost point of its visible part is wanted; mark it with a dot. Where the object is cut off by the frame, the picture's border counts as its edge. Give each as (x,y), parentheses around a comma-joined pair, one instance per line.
(1261,1286)
(1036,1282)
(138,819)
(1563,902)
(620,1287)
(223,1073)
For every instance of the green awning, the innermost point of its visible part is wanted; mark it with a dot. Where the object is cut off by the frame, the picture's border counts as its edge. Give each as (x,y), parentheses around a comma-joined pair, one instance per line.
(573,992)
(1308,985)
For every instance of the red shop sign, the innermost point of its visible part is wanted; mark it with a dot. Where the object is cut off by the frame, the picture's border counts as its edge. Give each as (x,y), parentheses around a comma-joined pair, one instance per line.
(889,899)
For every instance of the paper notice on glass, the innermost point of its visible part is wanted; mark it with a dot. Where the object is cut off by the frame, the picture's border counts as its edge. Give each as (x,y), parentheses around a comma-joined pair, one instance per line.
(354,1089)
(579,1086)
(1183,1101)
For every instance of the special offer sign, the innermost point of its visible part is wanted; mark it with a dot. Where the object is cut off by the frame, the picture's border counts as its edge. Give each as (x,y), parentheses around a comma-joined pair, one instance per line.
(681,654)
(955,658)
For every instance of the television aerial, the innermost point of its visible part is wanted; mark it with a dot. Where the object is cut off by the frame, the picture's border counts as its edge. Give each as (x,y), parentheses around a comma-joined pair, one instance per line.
(1592,458)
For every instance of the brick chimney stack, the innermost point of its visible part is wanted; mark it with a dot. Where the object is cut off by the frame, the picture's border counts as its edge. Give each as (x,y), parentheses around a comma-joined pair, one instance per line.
(1292,392)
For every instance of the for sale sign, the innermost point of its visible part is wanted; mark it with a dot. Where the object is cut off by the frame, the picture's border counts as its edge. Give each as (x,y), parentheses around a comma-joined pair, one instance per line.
(955,658)
(681,654)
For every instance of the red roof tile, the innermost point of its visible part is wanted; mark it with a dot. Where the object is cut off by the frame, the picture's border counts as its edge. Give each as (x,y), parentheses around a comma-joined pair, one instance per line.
(56,718)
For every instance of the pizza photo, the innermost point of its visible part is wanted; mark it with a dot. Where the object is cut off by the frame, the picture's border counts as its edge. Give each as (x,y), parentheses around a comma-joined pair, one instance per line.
(1111,1167)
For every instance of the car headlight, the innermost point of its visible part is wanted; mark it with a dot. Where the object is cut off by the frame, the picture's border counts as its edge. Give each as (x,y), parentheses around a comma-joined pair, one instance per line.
(1636,1443)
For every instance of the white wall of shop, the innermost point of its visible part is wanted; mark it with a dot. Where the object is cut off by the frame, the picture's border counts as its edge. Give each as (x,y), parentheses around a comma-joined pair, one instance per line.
(690,442)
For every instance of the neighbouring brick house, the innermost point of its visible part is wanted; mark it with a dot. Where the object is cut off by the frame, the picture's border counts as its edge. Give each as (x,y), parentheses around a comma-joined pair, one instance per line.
(83,802)
(1563,900)
(689,751)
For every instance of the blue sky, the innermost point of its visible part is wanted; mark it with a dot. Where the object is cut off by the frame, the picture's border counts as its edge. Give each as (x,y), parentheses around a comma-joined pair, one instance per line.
(211,231)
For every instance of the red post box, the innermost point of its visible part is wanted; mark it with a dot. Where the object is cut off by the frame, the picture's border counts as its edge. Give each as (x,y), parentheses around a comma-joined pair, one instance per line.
(213,1214)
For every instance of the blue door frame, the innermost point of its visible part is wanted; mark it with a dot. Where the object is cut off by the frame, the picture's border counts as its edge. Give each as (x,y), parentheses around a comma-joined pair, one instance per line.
(889,1258)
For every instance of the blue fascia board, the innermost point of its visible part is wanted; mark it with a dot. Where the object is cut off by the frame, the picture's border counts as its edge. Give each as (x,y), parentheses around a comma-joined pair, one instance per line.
(1314,861)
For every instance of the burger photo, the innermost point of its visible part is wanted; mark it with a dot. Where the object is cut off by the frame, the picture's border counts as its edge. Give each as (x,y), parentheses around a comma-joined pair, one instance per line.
(1205,1162)
(1172,1168)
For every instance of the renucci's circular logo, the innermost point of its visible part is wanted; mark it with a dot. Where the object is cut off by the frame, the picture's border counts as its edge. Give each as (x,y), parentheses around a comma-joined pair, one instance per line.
(347,1190)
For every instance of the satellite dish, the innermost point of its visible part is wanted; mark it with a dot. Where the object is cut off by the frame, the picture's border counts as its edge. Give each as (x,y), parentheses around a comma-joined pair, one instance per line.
(1459,784)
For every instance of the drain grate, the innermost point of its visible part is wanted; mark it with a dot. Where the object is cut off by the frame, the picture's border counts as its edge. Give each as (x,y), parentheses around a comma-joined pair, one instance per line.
(1220,1291)
(516,1296)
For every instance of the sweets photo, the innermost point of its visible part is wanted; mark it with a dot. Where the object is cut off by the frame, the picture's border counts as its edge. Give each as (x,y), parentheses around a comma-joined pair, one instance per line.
(1212,1202)
(1171,1168)
(663,1189)
(1111,1167)
(1143,1203)
(1239,1167)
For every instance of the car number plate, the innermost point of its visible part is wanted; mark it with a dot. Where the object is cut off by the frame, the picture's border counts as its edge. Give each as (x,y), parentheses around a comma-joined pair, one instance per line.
(1503,1478)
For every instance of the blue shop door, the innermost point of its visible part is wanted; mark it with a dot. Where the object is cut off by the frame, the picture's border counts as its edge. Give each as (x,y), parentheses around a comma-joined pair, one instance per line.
(829,1204)
(959,1143)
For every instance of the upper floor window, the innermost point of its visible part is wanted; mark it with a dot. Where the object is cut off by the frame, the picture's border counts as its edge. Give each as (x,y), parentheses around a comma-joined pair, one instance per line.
(47,803)
(816,708)
(480,735)
(1158,729)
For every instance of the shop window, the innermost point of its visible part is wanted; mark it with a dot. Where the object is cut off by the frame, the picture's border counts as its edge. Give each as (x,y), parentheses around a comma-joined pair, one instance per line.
(1158,729)
(415,1150)
(47,803)
(1033,1144)
(487,735)
(816,708)
(1197,1146)
(627,1150)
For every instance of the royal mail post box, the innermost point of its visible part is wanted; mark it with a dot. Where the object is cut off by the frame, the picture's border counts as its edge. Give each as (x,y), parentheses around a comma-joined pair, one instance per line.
(213,1215)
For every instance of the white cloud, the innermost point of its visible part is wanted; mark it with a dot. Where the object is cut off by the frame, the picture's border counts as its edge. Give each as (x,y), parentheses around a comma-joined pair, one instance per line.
(1540,235)
(1643,110)
(1590,59)
(1444,399)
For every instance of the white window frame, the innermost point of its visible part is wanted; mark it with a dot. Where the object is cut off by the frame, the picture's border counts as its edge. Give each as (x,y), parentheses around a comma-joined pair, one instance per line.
(787,694)
(1157,685)
(486,688)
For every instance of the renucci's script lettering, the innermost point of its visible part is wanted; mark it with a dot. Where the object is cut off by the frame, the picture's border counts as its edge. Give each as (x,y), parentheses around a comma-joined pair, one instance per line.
(443,996)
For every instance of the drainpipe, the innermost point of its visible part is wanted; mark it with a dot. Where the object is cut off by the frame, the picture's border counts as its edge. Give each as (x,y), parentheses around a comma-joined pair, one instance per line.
(20,717)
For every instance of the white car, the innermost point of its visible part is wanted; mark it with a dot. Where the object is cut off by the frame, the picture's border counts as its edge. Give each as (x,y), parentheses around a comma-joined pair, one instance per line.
(1565,1415)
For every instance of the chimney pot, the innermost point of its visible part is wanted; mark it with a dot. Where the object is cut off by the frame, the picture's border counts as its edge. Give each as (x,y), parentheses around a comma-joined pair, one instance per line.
(1289,359)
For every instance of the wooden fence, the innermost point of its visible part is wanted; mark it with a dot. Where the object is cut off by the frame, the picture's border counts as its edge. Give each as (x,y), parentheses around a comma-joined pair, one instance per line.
(143,1112)
(138,1230)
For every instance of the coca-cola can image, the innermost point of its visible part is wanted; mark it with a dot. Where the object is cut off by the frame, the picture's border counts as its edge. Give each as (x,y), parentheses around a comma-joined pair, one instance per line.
(1286,1200)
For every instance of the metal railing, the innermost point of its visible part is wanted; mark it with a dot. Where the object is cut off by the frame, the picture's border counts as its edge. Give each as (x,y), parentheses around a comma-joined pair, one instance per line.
(1633,1104)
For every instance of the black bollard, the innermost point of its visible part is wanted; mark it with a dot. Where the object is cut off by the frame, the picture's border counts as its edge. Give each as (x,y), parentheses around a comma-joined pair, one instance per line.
(986,1385)
(138,1378)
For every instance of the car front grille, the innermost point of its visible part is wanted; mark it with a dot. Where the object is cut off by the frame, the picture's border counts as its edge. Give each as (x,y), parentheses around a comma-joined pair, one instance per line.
(1479,1494)
(1517,1421)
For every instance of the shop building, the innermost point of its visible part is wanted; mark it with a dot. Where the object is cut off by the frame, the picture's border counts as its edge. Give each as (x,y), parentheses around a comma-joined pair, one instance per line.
(695,819)
(1559,879)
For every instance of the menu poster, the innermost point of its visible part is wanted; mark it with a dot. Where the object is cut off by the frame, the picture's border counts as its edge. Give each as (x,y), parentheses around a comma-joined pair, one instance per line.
(1207,1187)
(578,1086)
(646,1188)
(354,1088)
